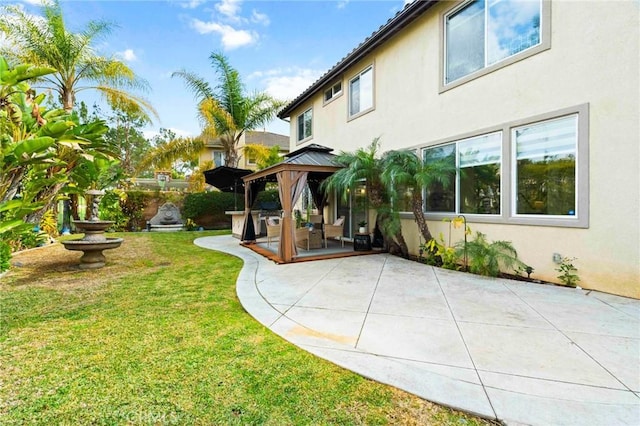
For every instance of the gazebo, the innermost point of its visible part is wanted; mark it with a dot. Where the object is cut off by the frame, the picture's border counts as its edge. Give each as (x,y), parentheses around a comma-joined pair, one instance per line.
(310,165)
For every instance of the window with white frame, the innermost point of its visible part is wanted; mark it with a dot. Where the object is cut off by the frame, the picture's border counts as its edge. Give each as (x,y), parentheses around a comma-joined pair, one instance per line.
(476,187)
(218,158)
(305,124)
(545,167)
(333,92)
(361,92)
(481,33)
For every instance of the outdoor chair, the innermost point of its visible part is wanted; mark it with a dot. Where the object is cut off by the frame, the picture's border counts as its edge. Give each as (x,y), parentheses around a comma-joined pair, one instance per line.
(273,228)
(334,231)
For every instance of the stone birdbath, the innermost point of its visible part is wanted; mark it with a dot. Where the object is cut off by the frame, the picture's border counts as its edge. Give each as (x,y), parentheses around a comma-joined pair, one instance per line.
(94,241)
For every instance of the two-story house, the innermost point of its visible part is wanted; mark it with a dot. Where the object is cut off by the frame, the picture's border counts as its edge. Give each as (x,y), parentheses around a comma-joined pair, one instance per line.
(535,103)
(213,149)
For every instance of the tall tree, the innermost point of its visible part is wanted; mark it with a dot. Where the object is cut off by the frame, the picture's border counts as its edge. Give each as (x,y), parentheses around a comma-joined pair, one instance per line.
(366,164)
(46,41)
(226,111)
(405,170)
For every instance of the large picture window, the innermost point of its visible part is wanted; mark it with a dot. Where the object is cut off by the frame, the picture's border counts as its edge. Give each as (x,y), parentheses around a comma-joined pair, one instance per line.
(484,32)
(305,125)
(545,167)
(532,171)
(361,92)
(475,187)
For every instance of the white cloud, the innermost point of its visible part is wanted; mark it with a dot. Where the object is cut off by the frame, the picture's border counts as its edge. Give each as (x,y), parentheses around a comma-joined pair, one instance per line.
(231,37)
(342,4)
(191,4)
(229,8)
(128,55)
(260,18)
(287,83)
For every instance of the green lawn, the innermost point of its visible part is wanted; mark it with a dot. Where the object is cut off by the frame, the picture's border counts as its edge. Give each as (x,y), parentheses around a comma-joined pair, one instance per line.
(159,337)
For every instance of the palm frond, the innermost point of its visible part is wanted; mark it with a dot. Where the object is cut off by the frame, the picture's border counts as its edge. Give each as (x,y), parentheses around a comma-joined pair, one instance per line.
(196,84)
(185,149)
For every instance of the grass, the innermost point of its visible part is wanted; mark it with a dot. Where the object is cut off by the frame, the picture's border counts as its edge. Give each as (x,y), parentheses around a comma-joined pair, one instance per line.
(158,336)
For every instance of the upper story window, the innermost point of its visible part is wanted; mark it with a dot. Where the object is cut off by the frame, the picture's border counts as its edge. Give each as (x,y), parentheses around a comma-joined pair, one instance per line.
(305,124)
(361,92)
(333,92)
(218,158)
(485,32)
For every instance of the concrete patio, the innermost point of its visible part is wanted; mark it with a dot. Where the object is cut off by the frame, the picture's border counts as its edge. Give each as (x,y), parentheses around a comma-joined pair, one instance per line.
(519,352)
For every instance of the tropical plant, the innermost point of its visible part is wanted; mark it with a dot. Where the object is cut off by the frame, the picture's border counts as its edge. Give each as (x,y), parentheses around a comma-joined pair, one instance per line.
(164,155)
(567,270)
(440,254)
(264,156)
(46,41)
(49,224)
(26,141)
(5,256)
(489,258)
(226,111)
(111,209)
(366,165)
(404,170)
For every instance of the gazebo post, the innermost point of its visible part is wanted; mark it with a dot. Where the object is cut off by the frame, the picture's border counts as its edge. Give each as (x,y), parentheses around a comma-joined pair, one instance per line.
(286,240)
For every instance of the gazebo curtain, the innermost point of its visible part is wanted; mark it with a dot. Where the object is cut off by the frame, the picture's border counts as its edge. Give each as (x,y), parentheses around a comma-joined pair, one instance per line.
(319,196)
(251,192)
(290,187)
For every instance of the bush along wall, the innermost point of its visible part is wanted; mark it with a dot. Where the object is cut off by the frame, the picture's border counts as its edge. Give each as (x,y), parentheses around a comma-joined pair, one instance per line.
(207,209)
(130,210)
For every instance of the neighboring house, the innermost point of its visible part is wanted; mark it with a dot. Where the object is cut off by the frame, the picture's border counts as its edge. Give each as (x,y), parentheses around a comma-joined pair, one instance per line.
(213,150)
(537,105)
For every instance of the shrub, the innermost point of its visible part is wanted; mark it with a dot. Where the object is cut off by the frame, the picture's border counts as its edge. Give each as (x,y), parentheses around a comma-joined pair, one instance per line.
(208,208)
(49,224)
(132,207)
(5,256)
(110,209)
(487,258)
(439,254)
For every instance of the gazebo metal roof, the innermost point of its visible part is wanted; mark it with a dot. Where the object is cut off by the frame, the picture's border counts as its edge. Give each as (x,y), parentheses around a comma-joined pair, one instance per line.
(315,159)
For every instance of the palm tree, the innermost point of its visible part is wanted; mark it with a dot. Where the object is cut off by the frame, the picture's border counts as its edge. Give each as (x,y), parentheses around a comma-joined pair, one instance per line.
(226,111)
(365,164)
(46,41)
(404,169)
(164,155)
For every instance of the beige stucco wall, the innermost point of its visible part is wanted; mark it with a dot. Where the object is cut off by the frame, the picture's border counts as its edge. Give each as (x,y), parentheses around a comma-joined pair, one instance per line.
(593,59)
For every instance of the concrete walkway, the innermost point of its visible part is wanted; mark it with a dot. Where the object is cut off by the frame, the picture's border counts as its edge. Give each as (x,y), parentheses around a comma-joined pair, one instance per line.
(519,352)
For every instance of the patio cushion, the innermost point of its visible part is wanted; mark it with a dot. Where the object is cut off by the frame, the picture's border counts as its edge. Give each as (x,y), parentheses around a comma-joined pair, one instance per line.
(271,221)
(339,222)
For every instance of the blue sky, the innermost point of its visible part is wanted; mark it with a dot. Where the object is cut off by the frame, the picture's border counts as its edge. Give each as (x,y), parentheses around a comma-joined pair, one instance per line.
(277,46)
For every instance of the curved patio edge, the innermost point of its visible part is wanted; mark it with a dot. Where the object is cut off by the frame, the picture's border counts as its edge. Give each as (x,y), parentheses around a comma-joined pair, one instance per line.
(457,352)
